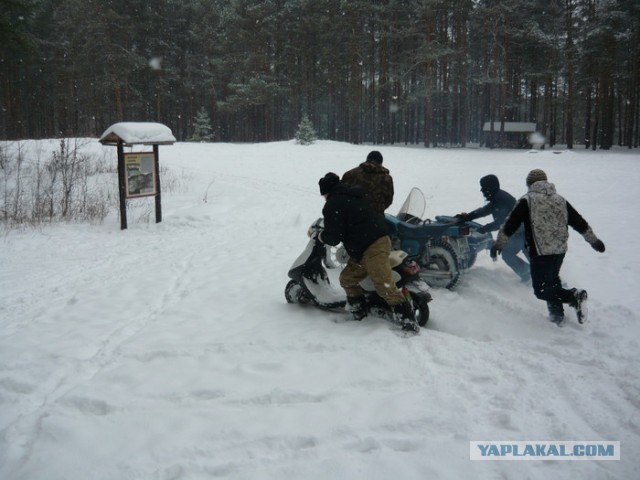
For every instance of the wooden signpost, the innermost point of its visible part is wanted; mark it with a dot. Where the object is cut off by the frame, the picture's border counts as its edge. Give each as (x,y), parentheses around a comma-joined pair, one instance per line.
(138,172)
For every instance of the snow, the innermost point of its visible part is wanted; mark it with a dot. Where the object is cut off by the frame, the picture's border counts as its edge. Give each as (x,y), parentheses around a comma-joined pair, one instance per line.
(167,351)
(133,133)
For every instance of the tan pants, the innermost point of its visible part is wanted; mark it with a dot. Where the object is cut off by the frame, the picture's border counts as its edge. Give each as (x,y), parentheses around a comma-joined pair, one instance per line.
(375,263)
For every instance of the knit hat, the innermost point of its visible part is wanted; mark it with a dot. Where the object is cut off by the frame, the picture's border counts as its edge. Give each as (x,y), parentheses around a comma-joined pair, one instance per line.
(375,156)
(328,183)
(536,175)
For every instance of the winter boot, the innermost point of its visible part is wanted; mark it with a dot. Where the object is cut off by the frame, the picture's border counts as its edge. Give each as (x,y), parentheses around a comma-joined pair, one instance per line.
(556,313)
(557,319)
(357,307)
(406,317)
(580,304)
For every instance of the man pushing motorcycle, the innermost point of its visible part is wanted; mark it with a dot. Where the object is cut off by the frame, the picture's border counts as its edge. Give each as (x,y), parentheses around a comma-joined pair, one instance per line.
(500,204)
(546,216)
(374,179)
(350,219)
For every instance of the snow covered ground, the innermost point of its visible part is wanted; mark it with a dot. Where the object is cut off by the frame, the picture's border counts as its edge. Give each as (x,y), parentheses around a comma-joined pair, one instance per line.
(167,351)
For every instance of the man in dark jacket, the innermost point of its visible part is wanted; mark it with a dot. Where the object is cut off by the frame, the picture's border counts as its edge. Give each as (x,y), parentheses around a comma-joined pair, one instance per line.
(546,217)
(374,179)
(349,218)
(500,205)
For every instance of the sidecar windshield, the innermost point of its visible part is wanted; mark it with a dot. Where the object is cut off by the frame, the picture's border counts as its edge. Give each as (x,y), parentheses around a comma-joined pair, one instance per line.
(413,207)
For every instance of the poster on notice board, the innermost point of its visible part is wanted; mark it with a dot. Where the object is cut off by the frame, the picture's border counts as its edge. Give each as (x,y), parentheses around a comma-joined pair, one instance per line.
(140,173)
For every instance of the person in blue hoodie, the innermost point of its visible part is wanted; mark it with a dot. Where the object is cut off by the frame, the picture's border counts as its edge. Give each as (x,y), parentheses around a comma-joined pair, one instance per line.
(500,204)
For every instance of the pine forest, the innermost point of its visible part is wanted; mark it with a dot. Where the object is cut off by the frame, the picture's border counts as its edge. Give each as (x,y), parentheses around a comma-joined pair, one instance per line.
(426,72)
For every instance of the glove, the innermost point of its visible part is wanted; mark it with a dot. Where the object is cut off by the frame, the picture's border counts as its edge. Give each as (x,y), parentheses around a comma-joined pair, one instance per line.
(462,216)
(494,252)
(598,246)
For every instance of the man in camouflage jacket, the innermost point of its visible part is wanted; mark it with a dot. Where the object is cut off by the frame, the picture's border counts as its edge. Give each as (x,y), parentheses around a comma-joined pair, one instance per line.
(546,217)
(374,179)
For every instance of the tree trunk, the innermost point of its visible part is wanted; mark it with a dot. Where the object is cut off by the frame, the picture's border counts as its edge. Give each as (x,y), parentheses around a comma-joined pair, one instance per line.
(570,62)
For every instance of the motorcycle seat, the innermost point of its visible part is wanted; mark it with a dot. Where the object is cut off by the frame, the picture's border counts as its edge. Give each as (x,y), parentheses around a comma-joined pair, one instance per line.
(410,231)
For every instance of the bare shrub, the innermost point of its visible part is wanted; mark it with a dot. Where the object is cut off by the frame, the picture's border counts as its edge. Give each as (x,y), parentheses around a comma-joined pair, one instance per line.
(64,186)
(67,184)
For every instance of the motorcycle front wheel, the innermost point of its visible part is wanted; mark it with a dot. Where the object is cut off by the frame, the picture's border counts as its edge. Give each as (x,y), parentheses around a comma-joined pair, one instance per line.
(440,267)
(294,293)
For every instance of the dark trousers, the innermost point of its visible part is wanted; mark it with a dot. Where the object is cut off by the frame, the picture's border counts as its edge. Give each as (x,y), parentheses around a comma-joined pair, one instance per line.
(545,279)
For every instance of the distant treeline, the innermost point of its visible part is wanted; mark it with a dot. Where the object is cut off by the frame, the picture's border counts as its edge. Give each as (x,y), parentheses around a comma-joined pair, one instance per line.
(428,72)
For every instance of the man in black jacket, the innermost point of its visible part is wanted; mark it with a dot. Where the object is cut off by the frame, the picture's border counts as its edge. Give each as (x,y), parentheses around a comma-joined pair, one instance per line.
(500,205)
(546,216)
(350,219)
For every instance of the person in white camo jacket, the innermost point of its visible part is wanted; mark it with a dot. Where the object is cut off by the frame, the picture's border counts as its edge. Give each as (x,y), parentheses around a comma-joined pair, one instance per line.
(546,216)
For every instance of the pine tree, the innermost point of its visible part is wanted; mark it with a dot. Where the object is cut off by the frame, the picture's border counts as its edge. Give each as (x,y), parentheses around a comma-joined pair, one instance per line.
(306,134)
(202,130)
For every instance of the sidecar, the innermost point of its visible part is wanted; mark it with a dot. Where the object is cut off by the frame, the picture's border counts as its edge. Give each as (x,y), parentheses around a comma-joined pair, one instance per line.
(477,241)
(440,247)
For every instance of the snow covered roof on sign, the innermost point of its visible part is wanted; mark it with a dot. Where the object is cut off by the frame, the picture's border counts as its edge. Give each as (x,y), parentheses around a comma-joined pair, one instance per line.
(527,127)
(138,133)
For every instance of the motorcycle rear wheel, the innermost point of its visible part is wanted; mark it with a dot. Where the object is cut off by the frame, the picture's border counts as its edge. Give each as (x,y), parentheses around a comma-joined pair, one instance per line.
(421,308)
(440,268)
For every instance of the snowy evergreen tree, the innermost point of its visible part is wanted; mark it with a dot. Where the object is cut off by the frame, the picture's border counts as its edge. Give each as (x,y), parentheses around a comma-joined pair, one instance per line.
(202,130)
(306,134)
